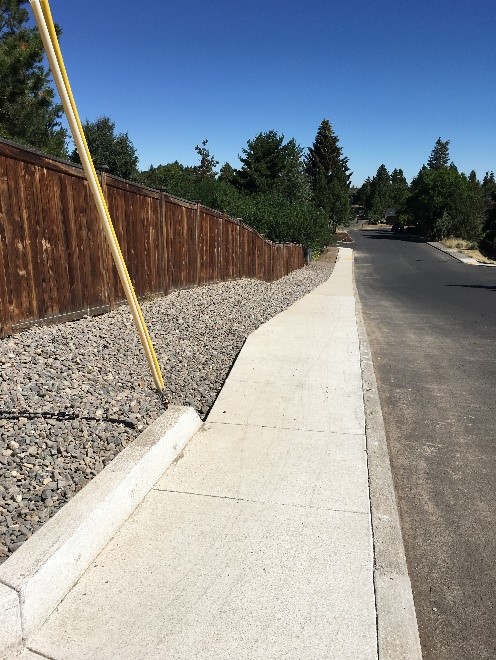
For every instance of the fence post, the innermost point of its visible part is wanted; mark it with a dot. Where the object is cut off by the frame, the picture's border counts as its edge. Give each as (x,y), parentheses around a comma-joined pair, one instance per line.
(5,318)
(166,260)
(197,243)
(105,255)
(220,260)
(239,247)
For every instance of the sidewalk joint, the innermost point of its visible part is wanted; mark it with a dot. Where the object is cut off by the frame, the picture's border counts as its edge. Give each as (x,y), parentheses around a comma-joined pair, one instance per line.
(251,501)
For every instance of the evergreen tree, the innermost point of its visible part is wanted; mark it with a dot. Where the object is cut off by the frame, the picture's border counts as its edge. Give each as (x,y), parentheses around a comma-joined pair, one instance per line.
(117,152)
(472,177)
(444,202)
(362,197)
(263,163)
(294,184)
(400,190)
(206,168)
(439,157)
(226,173)
(325,155)
(380,193)
(330,176)
(488,189)
(28,113)
(175,178)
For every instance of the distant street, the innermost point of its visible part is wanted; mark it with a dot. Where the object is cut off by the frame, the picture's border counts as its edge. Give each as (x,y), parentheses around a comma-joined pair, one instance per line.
(431,322)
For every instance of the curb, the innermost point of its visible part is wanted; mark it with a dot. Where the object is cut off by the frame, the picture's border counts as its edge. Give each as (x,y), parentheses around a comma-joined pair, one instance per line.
(397,628)
(40,573)
(458,255)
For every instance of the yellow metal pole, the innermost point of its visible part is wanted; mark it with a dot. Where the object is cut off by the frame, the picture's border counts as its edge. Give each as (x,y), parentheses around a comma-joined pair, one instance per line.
(45,7)
(78,136)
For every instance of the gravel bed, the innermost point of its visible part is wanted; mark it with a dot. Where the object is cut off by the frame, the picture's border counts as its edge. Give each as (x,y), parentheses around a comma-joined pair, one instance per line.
(73,395)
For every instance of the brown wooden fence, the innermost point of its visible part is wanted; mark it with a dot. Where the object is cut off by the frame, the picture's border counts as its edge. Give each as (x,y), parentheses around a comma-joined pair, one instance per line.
(54,261)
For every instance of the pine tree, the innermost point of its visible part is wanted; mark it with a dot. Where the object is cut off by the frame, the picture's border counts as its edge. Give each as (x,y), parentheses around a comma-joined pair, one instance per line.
(488,188)
(399,190)
(330,176)
(226,173)
(380,193)
(362,196)
(262,163)
(444,202)
(439,157)
(206,168)
(472,177)
(115,151)
(294,184)
(28,113)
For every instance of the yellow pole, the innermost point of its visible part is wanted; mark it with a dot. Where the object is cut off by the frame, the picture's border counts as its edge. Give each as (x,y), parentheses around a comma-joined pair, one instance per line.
(45,7)
(60,76)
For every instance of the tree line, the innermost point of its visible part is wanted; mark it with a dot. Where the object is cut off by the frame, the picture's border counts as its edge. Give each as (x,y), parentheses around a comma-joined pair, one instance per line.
(286,192)
(440,201)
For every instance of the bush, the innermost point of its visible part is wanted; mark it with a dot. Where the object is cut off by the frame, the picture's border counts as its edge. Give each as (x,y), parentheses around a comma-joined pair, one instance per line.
(488,244)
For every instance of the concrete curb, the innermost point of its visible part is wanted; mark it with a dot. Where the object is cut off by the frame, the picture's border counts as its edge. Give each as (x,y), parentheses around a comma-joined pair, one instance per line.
(458,255)
(40,573)
(397,629)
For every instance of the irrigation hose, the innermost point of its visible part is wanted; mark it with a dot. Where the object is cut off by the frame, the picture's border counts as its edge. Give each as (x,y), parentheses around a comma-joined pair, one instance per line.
(46,28)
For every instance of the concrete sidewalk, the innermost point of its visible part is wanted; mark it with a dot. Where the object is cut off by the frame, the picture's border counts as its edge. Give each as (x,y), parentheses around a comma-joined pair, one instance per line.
(257,542)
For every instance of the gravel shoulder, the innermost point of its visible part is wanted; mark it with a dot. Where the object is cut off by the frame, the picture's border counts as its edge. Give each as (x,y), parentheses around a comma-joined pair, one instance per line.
(72,396)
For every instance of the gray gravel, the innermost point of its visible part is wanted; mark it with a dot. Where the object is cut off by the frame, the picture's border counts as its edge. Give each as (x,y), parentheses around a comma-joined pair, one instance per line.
(73,395)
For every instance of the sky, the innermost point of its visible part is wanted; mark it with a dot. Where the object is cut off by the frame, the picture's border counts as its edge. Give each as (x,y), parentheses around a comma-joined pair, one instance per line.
(391,77)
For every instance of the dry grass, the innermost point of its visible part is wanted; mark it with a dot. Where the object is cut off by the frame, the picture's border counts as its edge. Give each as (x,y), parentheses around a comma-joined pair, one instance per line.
(468,248)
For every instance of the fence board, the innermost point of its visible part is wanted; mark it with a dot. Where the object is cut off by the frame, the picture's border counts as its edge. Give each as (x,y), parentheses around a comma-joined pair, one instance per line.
(230,249)
(181,241)
(6,301)
(209,241)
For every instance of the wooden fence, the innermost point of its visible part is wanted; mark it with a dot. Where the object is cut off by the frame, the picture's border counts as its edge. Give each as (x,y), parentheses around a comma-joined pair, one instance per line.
(54,261)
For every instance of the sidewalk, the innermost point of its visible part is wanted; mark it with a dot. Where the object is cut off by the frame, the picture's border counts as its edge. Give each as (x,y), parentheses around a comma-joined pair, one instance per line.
(257,542)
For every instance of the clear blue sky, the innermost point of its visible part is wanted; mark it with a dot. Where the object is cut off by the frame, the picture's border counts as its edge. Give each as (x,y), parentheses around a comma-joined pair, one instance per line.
(391,77)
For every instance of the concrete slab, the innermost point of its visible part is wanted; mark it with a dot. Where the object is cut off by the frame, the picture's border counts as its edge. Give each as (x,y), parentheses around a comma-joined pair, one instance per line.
(311,314)
(207,577)
(47,565)
(338,409)
(338,347)
(298,468)
(285,369)
(321,305)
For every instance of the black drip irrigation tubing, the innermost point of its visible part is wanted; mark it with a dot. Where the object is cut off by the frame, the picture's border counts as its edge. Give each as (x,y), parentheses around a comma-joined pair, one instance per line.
(63,416)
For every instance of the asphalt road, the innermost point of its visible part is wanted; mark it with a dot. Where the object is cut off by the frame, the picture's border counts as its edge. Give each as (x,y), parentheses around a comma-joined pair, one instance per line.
(431,322)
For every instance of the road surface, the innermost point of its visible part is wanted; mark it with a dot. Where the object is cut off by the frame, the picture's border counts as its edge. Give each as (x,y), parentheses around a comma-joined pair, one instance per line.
(431,322)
